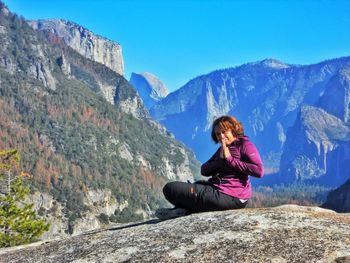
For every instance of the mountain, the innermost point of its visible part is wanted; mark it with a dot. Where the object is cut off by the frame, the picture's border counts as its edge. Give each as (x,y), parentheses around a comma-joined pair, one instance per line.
(281,234)
(266,96)
(91,46)
(85,42)
(336,97)
(93,159)
(339,199)
(317,149)
(150,88)
(318,145)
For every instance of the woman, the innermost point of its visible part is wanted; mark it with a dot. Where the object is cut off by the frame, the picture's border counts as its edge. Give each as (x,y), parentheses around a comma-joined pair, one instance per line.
(229,168)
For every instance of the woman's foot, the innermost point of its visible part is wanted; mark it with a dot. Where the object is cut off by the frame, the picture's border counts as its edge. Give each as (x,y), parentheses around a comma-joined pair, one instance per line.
(169,213)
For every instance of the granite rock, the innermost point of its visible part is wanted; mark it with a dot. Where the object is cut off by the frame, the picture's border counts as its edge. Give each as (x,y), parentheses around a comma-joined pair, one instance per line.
(283,234)
(150,88)
(85,42)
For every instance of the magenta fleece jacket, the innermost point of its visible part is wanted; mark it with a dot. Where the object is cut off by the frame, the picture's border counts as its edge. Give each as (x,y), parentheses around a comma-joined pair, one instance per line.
(231,175)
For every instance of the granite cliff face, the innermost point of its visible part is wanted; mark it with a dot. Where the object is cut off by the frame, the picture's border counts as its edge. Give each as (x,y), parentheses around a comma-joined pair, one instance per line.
(336,98)
(97,49)
(112,86)
(318,145)
(317,149)
(85,42)
(281,234)
(150,88)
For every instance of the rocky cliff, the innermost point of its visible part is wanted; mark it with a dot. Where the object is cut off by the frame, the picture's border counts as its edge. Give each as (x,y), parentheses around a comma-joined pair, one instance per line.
(317,149)
(318,145)
(150,88)
(39,64)
(97,49)
(100,79)
(281,234)
(102,205)
(336,97)
(85,42)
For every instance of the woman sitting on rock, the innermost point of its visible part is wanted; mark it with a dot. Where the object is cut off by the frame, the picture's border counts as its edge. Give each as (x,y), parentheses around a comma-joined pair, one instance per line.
(229,169)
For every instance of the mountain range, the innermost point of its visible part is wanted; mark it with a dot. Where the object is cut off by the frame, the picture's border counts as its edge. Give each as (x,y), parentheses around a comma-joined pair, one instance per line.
(297,115)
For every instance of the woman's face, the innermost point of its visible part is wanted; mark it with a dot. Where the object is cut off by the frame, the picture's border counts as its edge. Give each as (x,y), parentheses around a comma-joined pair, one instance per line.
(224,136)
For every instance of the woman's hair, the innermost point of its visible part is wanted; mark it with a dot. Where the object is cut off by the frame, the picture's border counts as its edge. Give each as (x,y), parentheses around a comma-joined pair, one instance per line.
(227,123)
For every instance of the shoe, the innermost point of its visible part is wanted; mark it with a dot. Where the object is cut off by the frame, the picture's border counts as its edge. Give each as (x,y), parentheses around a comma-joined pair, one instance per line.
(169,213)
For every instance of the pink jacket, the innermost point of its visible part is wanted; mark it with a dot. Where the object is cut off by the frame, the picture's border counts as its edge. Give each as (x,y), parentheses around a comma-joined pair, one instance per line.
(231,175)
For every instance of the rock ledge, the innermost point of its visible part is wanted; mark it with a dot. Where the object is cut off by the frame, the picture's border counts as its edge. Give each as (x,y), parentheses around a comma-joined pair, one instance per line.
(282,234)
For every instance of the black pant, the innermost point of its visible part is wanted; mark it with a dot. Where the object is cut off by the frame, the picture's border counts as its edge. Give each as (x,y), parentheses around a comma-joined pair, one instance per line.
(199,197)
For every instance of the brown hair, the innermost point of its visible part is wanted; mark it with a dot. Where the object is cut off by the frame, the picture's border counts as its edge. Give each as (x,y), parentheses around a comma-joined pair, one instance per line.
(227,123)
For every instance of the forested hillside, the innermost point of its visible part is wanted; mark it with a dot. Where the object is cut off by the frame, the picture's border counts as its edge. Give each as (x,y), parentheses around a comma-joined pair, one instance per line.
(71,139)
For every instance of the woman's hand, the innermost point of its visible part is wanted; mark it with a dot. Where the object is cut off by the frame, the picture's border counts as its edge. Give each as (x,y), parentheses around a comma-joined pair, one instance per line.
(224,152)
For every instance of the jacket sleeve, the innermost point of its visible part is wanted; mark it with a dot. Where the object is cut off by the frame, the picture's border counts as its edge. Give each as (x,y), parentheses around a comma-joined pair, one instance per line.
(250,162)
(213,165)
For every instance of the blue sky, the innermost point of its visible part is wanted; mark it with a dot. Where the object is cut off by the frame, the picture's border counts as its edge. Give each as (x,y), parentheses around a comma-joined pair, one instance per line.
(177,40)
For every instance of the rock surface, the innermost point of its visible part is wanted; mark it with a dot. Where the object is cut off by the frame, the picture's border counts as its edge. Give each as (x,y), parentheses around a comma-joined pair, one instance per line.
(283,234)
(336,97)
(317,149)
(150,88)
(113,87)
(85,42)
(100,201)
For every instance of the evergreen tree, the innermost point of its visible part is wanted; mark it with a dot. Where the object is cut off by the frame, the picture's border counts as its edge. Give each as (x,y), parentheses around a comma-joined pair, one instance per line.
(19,223)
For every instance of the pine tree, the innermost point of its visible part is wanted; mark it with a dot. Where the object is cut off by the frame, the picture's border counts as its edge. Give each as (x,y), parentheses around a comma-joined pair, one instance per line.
(19,223)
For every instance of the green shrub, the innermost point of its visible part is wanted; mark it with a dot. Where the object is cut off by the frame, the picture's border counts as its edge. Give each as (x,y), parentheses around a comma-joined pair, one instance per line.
(19,223)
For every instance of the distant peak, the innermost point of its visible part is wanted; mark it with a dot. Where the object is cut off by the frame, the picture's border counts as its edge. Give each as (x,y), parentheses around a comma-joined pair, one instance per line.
(148,75)
(158,87)
(271,63)
(274,63)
